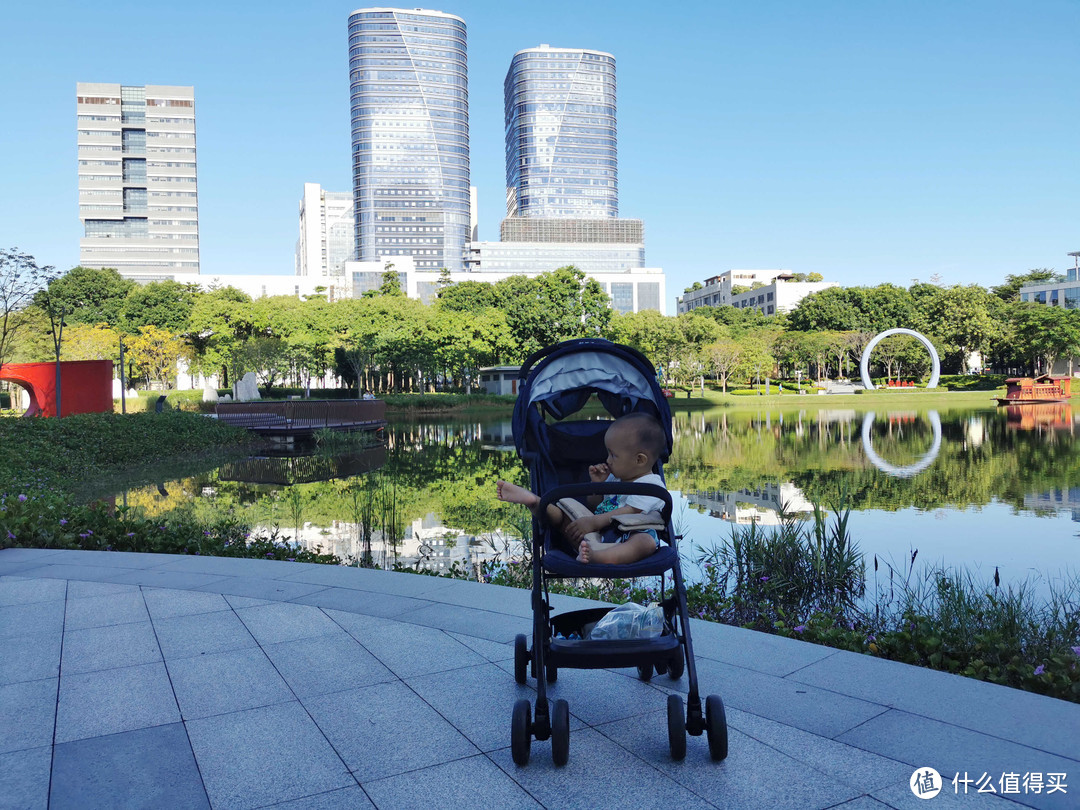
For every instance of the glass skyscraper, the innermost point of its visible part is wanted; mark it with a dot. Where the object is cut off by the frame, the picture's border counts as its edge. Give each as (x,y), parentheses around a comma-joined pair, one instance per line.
(561,146)
(410,135)
(138,193)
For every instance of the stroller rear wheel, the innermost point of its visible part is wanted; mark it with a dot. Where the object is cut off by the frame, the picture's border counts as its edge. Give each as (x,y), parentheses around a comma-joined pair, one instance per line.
(521,732)
(644,672)
(716,727)
(676,727)
(560,732)
(521,658)
(552,672)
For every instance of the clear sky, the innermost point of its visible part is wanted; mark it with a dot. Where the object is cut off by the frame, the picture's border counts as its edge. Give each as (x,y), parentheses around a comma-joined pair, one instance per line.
(865,140)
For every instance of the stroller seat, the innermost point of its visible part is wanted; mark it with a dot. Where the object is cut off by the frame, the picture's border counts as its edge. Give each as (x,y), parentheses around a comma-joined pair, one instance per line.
(557,383)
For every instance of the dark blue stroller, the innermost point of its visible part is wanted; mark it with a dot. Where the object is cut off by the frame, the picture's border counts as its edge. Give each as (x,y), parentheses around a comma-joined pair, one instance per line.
(556,383)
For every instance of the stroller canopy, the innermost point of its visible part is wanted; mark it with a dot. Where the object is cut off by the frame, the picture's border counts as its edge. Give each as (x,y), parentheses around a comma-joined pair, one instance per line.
(559,380)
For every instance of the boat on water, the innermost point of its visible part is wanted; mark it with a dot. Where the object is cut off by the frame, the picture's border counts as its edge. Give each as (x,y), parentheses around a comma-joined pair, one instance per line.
(1030,390)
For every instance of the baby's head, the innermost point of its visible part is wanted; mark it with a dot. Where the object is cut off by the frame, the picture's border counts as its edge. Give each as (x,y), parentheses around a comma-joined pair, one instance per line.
(634,444)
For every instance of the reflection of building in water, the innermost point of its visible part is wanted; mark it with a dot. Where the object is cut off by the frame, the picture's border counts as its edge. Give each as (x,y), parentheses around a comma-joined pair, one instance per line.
(426,543)
(1060,499)
(498,435)
(761,505)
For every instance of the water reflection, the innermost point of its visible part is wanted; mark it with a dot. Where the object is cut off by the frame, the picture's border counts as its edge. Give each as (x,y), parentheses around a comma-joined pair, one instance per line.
(963,485)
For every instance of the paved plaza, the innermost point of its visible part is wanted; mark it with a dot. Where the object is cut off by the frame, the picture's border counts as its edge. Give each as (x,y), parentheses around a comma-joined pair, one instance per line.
(145,680)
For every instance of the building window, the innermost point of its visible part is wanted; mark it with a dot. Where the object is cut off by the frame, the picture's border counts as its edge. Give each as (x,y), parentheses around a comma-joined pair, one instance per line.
(622,296)
(648,295)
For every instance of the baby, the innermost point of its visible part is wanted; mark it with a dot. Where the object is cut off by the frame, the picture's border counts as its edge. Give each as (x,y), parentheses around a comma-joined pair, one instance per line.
(634,443)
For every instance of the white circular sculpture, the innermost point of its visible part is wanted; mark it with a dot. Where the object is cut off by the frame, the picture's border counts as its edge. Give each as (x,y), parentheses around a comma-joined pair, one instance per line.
(911,469)
(864,364)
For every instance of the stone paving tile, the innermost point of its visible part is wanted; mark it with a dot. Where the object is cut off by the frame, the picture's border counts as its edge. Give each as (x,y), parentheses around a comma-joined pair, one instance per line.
(350,798)
(1024,717)
(862,803)
(465,784)
(334,663)
(368,726)
(592,782)
(274,590)
(226,682)
(15,591)
(168,603)
(361,579)
(17,569)
(119,645)
(272,624)
(227,566)
(27,712)
(77,573)
(478,701)
(25,554)
(203,633)
(762,652)
(920,742)
(853,766)
(24,779)
(29,658)
(264,756)
(753,775)
(84,590)
(238,602)
(114,700)
(36,617)
(826,714)
(168,579)
(491,650)
(99,773)
(603,696)
(482,623)
(99,611)
(364,602)
(497,598)
(407,650)
(112,559)
(900,797)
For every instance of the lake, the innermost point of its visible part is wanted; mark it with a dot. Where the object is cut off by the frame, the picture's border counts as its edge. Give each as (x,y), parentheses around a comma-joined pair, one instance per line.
(980,487)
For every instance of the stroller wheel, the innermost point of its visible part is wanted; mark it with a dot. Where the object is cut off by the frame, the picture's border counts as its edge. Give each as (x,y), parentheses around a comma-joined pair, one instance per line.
(644,672)
(521,658)
(676,727)
(521,732)
(716,727)
(560,733)
(552,672)
(676,665)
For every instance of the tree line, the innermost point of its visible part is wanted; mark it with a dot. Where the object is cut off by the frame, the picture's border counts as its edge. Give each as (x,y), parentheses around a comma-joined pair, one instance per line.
(385,341)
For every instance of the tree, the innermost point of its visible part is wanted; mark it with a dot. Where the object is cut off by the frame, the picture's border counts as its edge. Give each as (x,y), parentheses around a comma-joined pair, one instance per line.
(722,358)
(466,296)
(154,353)
(961,317)
(1010,290)
(90,295)
(166,304)
(20,280)
(831,308)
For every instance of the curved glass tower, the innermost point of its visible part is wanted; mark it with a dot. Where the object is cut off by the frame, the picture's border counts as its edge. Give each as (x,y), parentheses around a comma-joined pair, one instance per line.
(410,135)
(561,149)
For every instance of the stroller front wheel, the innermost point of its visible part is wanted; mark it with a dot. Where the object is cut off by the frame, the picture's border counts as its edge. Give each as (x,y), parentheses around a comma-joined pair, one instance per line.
(560,733)
(676,727)
(716,727)
(552,672)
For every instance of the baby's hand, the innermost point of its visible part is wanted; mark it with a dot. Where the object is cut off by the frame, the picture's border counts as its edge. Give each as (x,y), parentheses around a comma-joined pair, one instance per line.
(577,529)
(598,473)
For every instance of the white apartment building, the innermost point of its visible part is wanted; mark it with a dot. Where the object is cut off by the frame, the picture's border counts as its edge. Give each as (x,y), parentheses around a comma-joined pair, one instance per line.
(778,291)
(138,193)
(327,233)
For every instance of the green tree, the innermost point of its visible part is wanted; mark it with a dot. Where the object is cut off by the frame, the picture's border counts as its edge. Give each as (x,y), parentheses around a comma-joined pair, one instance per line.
(831,308)
(467,296)
(961,316)
(165,304)
(220,323)
(154,353)
(20,280)
(1010,290)
(89,295)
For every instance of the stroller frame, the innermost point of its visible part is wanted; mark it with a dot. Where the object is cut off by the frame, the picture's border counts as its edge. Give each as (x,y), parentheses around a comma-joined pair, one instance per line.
(625,382)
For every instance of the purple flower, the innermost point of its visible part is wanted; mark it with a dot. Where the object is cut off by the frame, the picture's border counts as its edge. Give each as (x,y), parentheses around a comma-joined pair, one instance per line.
(22,498)
(800,628)
(1076,650)
(1040,669)
(764,579)
(10,536)
(207,533)
(269,554)
(63,522)
(131,534)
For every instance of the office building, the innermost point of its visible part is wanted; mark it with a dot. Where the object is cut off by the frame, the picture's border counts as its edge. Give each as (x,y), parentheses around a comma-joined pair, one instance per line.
(138,194)
(561,145)
(327,232)
(769,291)
(410,135)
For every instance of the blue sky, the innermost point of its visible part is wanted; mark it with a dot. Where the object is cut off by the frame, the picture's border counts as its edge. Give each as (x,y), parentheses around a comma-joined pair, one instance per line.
(865,140)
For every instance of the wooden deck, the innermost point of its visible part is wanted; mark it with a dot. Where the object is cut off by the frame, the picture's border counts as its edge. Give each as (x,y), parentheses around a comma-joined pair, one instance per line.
(303,417)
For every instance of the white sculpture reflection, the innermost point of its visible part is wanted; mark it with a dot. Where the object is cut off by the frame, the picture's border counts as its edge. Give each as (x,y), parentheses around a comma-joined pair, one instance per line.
(909,470)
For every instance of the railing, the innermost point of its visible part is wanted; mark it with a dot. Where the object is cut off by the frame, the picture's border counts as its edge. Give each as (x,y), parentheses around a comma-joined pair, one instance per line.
(303,415)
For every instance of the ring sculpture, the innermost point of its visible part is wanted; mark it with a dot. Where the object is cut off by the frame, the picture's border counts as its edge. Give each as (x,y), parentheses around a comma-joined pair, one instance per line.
(910,470)
(864,364)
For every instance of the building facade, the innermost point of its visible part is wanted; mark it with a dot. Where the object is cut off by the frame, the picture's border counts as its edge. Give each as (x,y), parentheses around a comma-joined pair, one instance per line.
(410,135)
(138,192)
(717,291)
(561,144)
(327,232)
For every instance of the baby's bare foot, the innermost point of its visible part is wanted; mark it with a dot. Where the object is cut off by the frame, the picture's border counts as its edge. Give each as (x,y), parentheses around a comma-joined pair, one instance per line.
(584,552)
(512,493)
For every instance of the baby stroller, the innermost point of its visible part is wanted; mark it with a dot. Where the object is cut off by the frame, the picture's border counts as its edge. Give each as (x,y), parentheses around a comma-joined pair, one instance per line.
(556,383)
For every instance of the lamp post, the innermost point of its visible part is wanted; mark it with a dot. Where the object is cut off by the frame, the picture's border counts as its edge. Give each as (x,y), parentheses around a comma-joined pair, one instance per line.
(123,384)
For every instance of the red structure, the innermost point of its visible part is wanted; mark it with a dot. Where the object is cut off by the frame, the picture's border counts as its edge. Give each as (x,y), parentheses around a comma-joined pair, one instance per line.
(1043,388)
(85,386)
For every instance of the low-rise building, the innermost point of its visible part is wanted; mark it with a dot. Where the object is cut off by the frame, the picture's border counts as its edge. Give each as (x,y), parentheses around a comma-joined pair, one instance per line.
(770,291)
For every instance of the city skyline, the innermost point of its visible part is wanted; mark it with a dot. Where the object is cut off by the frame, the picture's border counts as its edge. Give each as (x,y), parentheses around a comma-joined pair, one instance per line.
(866,144)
